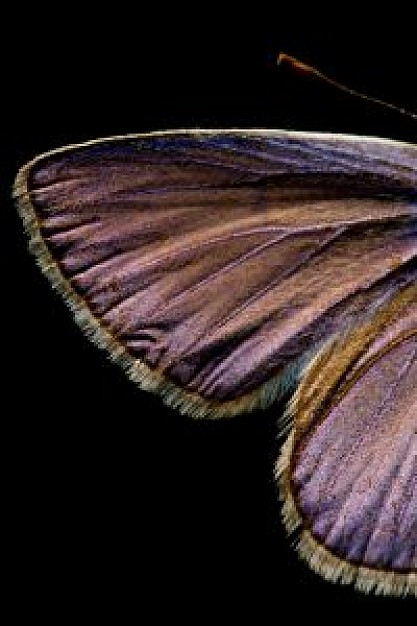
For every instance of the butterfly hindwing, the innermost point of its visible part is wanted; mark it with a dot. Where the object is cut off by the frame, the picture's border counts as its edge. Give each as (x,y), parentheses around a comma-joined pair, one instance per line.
(348,472)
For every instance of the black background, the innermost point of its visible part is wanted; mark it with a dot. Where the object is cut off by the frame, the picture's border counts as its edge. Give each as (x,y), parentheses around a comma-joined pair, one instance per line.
(118,503)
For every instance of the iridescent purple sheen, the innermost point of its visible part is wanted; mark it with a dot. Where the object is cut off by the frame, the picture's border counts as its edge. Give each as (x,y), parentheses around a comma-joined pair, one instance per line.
(356,474)
(219,258)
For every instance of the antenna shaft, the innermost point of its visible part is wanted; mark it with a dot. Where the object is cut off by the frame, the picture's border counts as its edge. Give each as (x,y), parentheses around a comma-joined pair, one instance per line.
(308,69)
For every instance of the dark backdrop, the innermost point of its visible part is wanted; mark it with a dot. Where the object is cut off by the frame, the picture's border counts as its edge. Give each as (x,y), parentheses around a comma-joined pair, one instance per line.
(119,503)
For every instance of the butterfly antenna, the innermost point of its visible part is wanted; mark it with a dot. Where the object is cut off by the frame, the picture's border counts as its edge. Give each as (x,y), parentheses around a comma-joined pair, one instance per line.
(299,66)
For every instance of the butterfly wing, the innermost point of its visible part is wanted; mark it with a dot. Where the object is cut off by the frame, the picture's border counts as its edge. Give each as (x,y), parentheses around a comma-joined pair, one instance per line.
(220,268)
(211,265)
(348,472)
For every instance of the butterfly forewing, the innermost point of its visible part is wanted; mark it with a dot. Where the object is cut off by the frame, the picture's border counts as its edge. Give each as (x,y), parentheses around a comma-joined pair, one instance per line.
(215,258)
